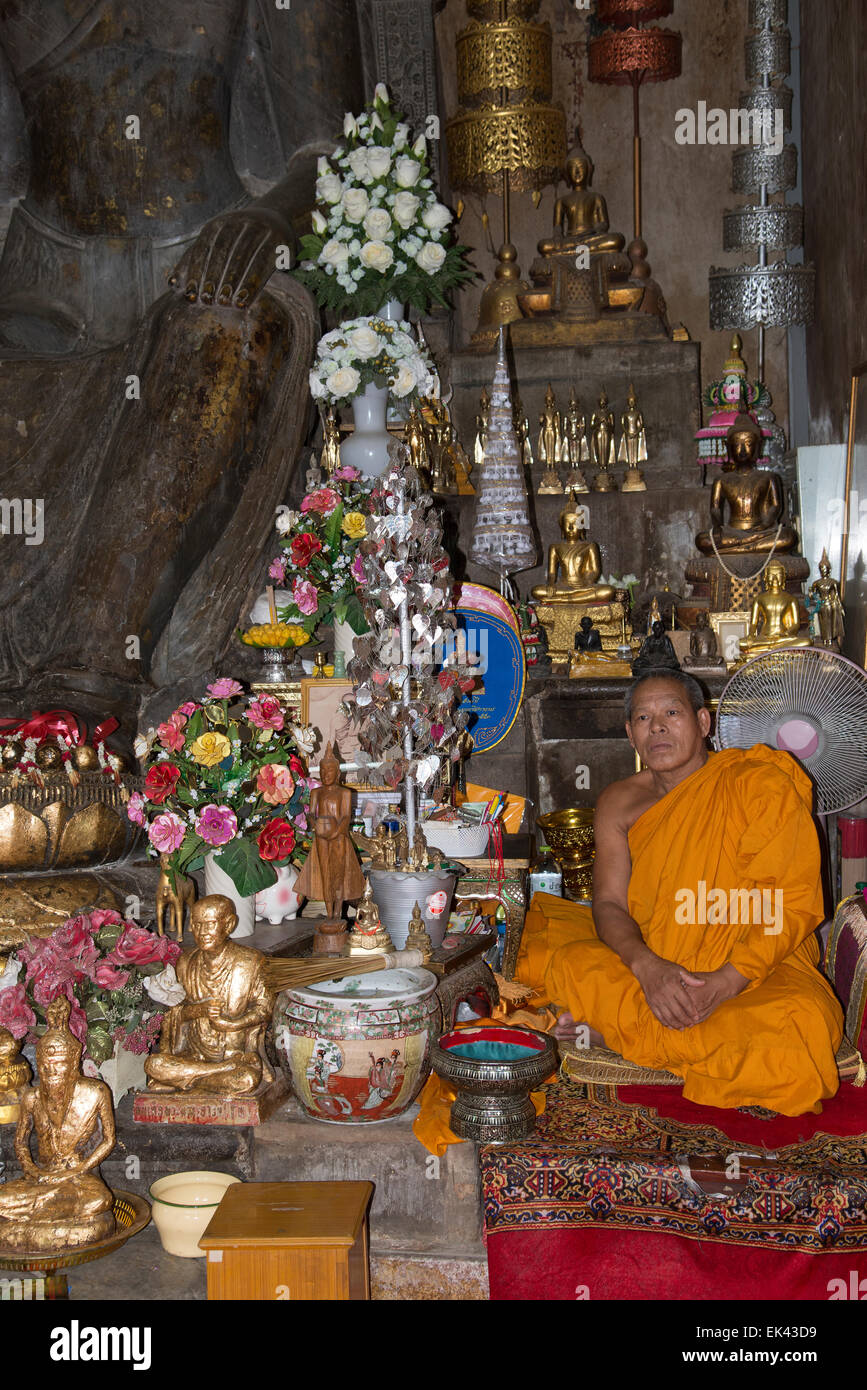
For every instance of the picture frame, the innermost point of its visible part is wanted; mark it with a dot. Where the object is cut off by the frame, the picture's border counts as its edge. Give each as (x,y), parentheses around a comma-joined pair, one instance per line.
(853,567)
(320,706)
(729,628)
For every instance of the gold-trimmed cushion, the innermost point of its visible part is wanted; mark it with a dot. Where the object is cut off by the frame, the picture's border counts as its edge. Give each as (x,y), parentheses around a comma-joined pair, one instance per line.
(599,1066)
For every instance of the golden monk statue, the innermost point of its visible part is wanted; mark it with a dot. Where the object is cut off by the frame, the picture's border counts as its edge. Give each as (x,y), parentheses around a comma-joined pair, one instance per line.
(775,618)
(581,216)
(214,1040)
(14,1076)
(60,1201)
(574,565)
(830,615)
(331,872)
(753,497)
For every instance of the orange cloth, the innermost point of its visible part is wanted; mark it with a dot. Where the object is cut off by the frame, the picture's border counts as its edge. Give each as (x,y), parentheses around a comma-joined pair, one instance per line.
(431,1124)
(742,821)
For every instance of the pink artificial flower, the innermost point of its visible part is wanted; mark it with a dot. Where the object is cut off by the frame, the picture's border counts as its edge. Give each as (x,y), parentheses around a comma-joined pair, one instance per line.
(277,570)
(135,809)
(346,474)
(73,937)
(224,688)
(275,783)
(324,500)
(179,719)
(100,915)
(166,832)
(171,737)
(15,1013)
(301,822)
(187,708)
(108,977)
(305,596)
(356,569)
(49,984)
(266,712)
(217,825)
(78,1022)
(138,946)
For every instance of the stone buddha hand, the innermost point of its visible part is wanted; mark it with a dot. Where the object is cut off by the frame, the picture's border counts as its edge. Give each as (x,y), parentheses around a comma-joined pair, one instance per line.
(574,566)
(752,498)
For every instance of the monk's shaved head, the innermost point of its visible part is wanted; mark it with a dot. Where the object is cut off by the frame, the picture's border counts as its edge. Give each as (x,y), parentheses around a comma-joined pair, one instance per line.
(693,690)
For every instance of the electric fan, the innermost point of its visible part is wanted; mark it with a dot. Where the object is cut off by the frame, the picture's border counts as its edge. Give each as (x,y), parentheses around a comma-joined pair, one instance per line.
(809,702)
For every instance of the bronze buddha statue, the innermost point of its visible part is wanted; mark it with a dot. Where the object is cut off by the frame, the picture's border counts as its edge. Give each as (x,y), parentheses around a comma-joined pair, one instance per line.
(574,565)
(581,215)
(775,617)
(747,503)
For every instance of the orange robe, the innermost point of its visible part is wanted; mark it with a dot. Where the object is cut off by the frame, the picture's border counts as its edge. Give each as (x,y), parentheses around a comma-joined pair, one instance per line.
(742,821)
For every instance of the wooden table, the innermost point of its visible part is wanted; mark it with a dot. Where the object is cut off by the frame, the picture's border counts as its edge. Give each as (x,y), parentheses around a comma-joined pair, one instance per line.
(290,1240)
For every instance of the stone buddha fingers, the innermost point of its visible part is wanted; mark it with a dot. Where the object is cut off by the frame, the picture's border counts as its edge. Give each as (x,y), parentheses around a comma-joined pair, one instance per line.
(232,258)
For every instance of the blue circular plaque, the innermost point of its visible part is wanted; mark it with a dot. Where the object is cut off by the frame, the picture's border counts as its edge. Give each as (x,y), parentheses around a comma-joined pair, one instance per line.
(494,708)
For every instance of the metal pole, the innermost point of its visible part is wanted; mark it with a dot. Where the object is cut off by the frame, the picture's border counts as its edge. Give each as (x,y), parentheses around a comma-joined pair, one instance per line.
(405,693)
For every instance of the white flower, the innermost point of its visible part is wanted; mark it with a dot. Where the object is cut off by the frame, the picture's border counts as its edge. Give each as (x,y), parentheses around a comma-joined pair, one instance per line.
(406,171)
(286,521)
(375,255)
(142,744)
(165,988)
(405,208)
(377,224)
(402,345)
(375,122)
(319,223)
(349,124)
(430,257)
(419,149)
(317,387)
(333,253)
(355,204)
(401,135)
(329,188)
(404,381)
(322,166)
(380,93)
(378,161)
(436,216)
(358,163)
(410,245)
(10,973)
(365,342)
(344,382)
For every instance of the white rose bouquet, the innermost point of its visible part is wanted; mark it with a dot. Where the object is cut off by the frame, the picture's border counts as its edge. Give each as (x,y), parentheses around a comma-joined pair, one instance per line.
(368,350)
(379,232)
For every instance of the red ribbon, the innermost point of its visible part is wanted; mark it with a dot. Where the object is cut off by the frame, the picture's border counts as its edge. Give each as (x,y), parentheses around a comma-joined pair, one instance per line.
(52,722)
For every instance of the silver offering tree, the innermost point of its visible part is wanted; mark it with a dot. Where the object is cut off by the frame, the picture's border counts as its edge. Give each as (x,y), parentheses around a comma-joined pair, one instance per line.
(502,537)
(411,670)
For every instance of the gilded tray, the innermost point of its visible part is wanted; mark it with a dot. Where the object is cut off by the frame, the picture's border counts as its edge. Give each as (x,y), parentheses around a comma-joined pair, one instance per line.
(131,1212)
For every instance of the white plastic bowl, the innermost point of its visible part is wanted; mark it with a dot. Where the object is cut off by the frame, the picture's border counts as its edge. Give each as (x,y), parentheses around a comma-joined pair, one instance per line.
(182,1206)
(457,841)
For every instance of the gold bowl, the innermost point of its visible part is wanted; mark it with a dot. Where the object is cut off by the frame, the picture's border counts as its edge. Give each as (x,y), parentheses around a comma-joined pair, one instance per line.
(59,826)
(570,837)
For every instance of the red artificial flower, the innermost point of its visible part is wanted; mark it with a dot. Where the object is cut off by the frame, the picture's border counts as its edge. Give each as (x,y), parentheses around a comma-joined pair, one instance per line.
(296,766)
(303,548)
(138,946)
(108,977)
(161,781)
(276,840)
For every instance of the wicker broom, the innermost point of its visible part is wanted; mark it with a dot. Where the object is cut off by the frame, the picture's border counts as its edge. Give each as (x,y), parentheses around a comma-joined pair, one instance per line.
(295,972)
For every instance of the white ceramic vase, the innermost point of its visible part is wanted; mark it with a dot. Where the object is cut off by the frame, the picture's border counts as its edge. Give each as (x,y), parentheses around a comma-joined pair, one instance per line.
(344,639)
(392,311)
(218,881)
(367,447)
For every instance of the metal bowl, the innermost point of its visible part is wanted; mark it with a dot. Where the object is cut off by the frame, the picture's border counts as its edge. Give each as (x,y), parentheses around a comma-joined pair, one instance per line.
(493,1103)
(570,836)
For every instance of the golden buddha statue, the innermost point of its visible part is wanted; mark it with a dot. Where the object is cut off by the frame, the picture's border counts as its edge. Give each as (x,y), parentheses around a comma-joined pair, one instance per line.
(14,1076)
(577,448)
(753,497)
(602,445)
(775,618)
(581,216)
(415,441)
(830,616)
(550,444)
(330,459)
(214,1040)
(369,935)
(483,425)
(577,559)
(418,938)
(633,445)
(60,1202)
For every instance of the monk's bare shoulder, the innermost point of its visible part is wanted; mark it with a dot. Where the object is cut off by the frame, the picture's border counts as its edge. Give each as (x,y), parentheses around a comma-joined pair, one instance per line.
(621,803)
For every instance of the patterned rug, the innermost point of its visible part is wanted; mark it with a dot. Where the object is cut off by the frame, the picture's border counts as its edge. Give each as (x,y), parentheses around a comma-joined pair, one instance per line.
(596,1163)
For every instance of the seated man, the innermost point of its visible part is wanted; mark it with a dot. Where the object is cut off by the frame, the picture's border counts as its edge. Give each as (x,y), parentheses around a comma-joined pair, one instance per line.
(700,954)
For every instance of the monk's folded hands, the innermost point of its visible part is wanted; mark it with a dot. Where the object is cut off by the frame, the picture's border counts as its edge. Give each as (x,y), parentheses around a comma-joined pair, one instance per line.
(668,989)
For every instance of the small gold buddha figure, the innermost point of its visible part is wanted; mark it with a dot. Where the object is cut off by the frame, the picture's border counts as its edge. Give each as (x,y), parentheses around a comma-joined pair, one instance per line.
(550,444)
(633,445)
(418,938)
(581,216)
(60,1201)
(416,858)
(577,448)
(602,445)
(753,498)
(830,616)
(14,1076)
(574,564)
(703,649)
(214,1040)
(415,441)
(369,935)
(522,429)
(775,617)
(483,425)
(330,457)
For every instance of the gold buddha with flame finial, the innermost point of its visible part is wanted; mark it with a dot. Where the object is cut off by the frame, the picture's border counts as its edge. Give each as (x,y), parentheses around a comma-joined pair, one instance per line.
(574,565)
(369,936)
(775,619)
(753,498)
(831,616)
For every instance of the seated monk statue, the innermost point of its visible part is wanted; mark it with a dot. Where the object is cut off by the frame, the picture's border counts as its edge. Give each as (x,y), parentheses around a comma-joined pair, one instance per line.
(577,563)
(775,618)
(657,650)
(214,1040)
(753,497)
(699,955)
(60,1201)
(153,355)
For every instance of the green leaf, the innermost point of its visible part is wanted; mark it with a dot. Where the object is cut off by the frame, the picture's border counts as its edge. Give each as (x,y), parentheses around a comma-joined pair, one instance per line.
(108,935)
(95,1012)
(248,871)
(99,1045)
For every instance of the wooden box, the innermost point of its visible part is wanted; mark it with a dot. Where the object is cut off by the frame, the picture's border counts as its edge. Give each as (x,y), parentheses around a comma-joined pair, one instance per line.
(290,1240)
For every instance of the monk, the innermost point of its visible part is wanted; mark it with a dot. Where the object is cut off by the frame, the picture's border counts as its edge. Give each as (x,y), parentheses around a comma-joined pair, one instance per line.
(699,956)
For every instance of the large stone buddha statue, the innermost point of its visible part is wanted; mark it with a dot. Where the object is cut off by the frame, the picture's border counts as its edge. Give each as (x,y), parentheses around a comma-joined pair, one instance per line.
(747,503)
(574,565)
(152,363)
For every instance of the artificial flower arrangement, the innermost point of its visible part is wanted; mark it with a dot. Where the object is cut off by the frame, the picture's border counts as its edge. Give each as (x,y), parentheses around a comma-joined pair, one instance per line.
(375,351)
(224,777)
(319,564)
(380,232)
(102,964)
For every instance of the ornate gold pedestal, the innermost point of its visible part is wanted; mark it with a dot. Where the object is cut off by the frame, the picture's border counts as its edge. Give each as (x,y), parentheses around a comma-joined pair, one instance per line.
(562,620)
